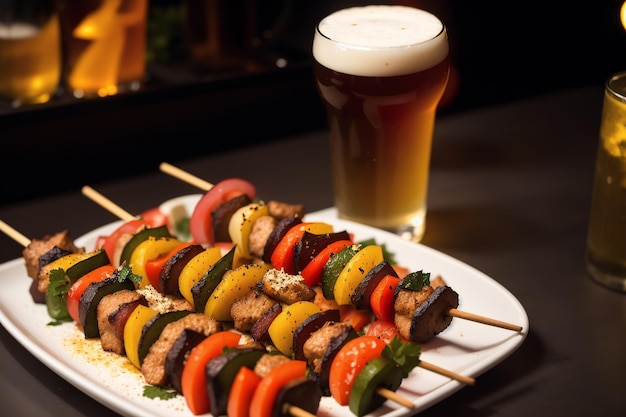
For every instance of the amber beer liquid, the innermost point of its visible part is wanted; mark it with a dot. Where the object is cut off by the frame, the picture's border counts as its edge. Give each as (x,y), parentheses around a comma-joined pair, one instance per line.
(30,60)
(105,45)
(381,71)
(606,241)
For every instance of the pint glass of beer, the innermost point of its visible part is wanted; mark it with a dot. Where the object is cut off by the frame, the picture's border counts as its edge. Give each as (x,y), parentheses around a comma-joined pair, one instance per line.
(30,51)
(380,72)
(606,240)
(105,45)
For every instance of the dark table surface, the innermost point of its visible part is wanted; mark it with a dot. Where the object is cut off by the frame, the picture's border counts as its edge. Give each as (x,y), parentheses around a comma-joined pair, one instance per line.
(509,195)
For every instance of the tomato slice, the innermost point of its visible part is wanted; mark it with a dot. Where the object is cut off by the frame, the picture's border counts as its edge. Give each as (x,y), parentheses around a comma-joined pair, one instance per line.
(155,217)
(358,319)
(80,285)
(131,226)
(201,221)
(265,394)
(385,330)
(193,379)
(348,362)
(245,383)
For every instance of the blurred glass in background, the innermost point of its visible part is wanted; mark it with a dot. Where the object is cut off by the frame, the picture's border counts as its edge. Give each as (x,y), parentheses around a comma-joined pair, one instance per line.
(30,56)
(104,43)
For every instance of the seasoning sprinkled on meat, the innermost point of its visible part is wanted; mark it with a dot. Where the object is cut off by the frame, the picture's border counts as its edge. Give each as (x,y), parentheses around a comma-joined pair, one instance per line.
(285,287)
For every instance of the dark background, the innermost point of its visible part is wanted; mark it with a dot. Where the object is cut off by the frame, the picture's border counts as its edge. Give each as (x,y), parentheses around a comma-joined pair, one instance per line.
(502,51)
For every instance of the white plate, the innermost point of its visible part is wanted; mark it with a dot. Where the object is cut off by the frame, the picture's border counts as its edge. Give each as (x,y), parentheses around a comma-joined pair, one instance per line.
(465,347)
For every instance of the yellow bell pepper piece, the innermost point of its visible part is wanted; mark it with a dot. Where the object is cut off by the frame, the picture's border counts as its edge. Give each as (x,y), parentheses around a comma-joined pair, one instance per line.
(149,250)
(67,261)
(285,324)
(195,269)
(318,228)
(240,225)
(234,284)
(355,270)
(132,332)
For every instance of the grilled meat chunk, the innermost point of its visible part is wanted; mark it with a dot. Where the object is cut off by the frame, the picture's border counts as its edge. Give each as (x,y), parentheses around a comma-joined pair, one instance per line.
(248,309)
(428,317)
(267,362)
(164,303)
(38,247)
(317,346)
(321,348)
(153,366)
(260,233)
(280,210)
(112,313)
(285,287)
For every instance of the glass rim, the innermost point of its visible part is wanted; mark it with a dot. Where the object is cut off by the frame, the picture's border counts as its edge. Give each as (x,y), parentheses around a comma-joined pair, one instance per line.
(616,86)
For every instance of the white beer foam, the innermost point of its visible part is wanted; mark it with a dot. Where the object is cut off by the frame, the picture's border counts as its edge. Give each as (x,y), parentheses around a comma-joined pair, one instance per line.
(380,41)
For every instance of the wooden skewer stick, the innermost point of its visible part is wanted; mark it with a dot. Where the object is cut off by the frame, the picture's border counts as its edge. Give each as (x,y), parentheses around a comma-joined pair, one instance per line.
(185,176)
(395,397)
(296,411)
(107,204)
(14,234)
(441,371)
(485,320)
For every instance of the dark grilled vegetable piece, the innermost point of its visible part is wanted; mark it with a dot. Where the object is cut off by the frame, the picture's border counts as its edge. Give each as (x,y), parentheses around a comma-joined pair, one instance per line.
(177,356)
(88,304)
(153,328)
(97,259)
(168,276)
(379,372)
(431,317)
(311,244)
(361,295)
(221,372)
(52,255)
(308,326)
(260,329)
(302,392)
(203,289)
(222,214)
(119,317)
(277,234)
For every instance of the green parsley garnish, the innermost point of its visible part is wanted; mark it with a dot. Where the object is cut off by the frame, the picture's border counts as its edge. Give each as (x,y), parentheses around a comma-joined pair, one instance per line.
(161,393)
(415,281)
(406,355)
(126,272)
(59,283)
(56,294)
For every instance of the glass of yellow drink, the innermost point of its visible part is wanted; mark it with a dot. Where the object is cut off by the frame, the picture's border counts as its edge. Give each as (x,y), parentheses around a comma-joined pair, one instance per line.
(606,241)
